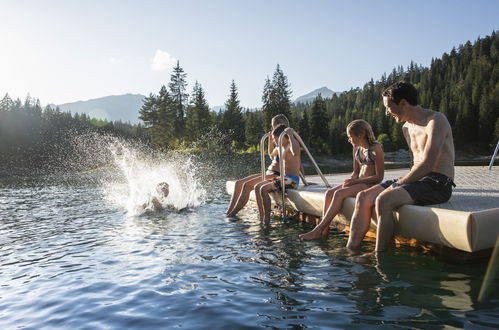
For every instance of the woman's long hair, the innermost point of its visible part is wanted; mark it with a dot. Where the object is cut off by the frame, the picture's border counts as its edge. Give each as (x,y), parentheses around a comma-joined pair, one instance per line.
(360,127)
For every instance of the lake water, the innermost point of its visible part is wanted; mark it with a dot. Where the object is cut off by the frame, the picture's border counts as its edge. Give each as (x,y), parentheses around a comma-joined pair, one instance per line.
(77,252)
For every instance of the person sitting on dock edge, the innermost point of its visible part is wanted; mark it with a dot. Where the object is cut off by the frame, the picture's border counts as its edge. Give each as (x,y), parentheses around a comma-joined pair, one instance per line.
(292,166)
(244,186)
(368,170)
(430,179)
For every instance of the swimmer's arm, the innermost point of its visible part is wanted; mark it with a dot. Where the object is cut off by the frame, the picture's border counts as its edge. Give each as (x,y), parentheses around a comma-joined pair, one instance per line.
(438,128)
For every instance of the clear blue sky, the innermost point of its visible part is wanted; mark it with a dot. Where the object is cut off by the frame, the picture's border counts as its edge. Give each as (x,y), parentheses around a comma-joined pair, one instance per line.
(68,50)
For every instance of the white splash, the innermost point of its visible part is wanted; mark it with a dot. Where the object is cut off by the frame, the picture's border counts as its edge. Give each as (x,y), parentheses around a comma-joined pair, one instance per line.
(142,174)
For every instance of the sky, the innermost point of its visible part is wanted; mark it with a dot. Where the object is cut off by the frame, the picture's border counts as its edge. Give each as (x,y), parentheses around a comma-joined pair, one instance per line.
(66,51)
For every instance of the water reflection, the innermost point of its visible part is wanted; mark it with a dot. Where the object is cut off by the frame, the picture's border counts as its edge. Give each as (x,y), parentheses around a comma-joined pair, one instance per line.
(70,256)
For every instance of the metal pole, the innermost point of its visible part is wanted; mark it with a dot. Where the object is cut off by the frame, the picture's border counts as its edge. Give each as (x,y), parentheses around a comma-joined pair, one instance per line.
(282,153)
(494,156)
(262,153)
(312,159)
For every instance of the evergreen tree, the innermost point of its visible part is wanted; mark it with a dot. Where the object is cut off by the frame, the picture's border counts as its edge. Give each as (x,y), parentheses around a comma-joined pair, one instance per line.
(198,118)
(253,130)
(276,97)
(319,133)
(304,128)
(179,96)
(232,124)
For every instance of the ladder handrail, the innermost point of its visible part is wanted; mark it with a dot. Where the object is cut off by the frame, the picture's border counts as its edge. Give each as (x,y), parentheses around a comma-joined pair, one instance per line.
(262,153)
(494,156)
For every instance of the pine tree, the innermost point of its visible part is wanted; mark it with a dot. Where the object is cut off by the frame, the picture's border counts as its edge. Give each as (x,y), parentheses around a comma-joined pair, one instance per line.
(232,124)
(276,97)
(319,133)
(198,118)
(253,130)
(304,128)
(179,96)
(164,132)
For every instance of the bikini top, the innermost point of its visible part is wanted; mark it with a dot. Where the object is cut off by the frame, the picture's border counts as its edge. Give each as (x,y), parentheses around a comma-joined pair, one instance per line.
(368,157)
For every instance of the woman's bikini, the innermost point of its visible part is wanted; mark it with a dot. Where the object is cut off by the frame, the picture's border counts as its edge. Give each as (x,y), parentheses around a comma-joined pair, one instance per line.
(368,160)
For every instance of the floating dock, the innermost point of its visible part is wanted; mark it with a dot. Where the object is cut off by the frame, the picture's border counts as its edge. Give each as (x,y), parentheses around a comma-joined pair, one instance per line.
(468,222)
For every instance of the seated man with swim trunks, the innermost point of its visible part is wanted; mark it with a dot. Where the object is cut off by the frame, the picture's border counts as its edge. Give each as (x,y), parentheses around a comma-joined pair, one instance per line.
(292,165)
(430,180)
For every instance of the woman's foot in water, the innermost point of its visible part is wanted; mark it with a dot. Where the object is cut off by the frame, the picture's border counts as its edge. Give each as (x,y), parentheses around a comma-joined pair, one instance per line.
(316,233)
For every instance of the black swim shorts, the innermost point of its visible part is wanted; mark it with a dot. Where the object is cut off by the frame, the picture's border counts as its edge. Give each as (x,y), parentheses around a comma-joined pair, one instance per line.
(434,188)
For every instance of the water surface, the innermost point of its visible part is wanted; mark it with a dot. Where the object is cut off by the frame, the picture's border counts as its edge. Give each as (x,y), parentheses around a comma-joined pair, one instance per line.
(73,254)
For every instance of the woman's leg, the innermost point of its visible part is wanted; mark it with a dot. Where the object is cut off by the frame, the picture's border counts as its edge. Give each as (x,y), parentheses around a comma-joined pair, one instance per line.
(238,187)
(322,229)
(328,198)
(244,194)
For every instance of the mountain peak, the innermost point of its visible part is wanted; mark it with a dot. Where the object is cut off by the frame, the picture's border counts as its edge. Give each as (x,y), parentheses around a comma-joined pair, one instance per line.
(123,108)
(309,97)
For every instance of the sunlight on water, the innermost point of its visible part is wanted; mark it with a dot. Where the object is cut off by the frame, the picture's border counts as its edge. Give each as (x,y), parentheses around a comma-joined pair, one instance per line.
(142,175)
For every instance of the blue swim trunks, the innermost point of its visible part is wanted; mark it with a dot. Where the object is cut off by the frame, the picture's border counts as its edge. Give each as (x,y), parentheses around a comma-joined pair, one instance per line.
(291,182)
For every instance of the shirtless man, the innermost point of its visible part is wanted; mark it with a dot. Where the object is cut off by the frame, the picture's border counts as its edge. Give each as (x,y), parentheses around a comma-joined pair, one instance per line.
(430,179)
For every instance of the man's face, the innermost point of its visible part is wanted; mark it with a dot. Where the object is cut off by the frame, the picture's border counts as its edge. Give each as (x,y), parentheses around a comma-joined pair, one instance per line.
(393,109)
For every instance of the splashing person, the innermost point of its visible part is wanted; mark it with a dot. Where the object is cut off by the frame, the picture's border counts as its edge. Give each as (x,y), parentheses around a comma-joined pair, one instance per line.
(154,203)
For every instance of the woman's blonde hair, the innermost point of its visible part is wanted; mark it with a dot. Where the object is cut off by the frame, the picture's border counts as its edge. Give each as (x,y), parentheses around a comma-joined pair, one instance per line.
(360,127)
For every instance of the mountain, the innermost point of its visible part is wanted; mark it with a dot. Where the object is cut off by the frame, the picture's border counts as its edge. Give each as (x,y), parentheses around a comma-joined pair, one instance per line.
(309,98)
(123,108)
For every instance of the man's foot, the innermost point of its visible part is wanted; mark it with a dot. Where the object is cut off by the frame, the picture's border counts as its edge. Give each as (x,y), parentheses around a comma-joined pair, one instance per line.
(316,233)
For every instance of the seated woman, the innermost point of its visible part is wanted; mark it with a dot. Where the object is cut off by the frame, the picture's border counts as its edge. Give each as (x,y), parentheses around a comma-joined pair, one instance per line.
(368,170)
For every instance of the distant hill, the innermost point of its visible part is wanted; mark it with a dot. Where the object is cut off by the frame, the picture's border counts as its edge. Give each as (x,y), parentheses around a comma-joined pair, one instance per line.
(309,98)
(123,108)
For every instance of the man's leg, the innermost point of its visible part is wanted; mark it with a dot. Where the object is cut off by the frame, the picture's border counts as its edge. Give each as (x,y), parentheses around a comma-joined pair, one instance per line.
(267,203)
(259,200)
(386,202)
(361,218)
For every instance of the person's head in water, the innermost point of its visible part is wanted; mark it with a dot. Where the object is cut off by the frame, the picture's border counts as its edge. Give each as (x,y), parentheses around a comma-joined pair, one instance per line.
(163,189)
(279,119)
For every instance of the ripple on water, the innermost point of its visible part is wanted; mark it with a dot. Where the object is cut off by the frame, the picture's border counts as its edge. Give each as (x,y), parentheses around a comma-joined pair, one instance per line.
(71,258)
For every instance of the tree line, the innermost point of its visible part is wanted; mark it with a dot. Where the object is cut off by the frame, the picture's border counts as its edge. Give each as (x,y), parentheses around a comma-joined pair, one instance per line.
(45,139)
(463,84)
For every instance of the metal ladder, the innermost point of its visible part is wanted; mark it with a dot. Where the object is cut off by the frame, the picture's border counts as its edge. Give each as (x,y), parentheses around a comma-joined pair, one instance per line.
(494,156)
(282,154)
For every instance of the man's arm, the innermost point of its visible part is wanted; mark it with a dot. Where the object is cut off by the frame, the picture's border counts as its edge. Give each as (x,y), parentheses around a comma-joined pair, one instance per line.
(438,128)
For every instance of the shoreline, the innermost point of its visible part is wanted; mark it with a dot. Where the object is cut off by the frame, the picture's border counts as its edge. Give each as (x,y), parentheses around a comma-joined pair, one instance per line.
(393,159)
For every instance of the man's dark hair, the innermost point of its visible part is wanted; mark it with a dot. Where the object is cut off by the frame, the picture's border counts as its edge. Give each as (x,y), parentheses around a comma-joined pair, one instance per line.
(402,90)
(278,130)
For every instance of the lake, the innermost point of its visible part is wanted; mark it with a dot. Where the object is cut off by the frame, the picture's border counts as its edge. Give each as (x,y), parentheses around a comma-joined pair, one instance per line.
(78,251)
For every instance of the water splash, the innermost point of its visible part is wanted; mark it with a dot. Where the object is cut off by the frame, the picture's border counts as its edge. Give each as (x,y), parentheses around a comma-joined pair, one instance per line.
(142,174)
